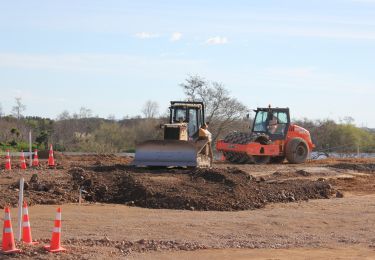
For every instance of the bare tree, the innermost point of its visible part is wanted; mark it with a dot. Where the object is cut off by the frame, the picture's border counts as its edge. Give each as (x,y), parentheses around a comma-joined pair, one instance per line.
(150,109)
(111,117)
(1,110)
(18,108)
(83,113)
(64,115)
(222,110)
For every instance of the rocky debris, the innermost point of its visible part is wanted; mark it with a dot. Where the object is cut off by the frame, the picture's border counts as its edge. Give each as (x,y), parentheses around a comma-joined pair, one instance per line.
(291,174)
(339,194)
(303,173)
(78,247)
(366,167)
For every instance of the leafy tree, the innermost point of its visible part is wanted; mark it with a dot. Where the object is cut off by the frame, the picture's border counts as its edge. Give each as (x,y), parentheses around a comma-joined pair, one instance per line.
(329,136)
(42,138)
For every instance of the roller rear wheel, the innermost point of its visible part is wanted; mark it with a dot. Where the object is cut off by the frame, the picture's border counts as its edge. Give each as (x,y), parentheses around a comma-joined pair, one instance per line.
(296,151)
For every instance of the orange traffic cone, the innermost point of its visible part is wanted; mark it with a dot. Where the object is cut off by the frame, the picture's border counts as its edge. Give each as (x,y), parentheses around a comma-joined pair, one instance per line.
(36,159)
(23,161)
(55,246)
(51,160)
(9,246)
(26,228)
(8,165)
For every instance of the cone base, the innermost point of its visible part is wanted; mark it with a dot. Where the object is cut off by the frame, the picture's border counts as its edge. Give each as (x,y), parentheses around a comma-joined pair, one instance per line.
(13,251)
(60,249)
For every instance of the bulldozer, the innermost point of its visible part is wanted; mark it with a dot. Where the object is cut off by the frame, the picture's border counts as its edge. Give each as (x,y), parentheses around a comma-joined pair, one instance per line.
(182,146)
(273,138)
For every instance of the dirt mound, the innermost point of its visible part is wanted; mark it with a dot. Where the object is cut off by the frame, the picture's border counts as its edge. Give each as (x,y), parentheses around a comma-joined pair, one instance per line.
(39,190)
(367,167)
(202,189)
(94,159)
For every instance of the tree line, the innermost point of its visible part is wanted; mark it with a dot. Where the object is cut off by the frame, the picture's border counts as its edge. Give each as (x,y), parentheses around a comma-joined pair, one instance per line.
(84,132)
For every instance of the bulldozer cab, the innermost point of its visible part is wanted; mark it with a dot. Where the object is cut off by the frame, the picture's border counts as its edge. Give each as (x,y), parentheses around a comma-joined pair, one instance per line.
(272,121)
(185,114)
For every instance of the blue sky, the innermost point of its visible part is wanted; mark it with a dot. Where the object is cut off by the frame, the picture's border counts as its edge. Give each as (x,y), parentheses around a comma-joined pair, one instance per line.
(315,56)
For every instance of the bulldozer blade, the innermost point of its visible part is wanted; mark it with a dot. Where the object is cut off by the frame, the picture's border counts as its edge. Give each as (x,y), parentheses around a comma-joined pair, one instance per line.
(167,153)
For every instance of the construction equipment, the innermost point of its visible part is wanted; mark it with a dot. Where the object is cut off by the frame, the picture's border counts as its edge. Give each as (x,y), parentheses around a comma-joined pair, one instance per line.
(182,146)
(272,139)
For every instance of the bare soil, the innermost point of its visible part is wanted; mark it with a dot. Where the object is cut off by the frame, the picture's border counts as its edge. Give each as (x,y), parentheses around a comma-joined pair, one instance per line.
(317,207)
(222,189)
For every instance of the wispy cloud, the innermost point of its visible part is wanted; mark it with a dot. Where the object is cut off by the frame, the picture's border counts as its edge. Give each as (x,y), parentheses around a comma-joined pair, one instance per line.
(217,40)
(176,36)
(146,35)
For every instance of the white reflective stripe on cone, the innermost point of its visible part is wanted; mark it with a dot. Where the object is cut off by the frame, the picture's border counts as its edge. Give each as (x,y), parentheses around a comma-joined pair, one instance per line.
(26,224)
(56,230)
(25,211)
(58,216)
(8,230)
(7,216)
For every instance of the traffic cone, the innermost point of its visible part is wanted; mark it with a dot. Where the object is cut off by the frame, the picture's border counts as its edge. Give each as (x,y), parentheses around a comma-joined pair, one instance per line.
(8,165)
(36,159)
(9,246)
(55,246)
(51,160)
(23,161)
(26,228)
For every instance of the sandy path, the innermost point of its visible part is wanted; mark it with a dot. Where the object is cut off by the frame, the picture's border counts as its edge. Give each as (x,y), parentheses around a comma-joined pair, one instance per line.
(333,223)
(360,253)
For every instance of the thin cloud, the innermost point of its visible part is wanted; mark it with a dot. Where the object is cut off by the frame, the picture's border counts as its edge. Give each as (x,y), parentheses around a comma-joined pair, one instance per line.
(146,35)
(217,40)
(176,36)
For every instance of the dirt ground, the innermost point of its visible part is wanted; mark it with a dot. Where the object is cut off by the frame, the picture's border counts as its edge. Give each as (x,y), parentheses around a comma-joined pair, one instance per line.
(320,208)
